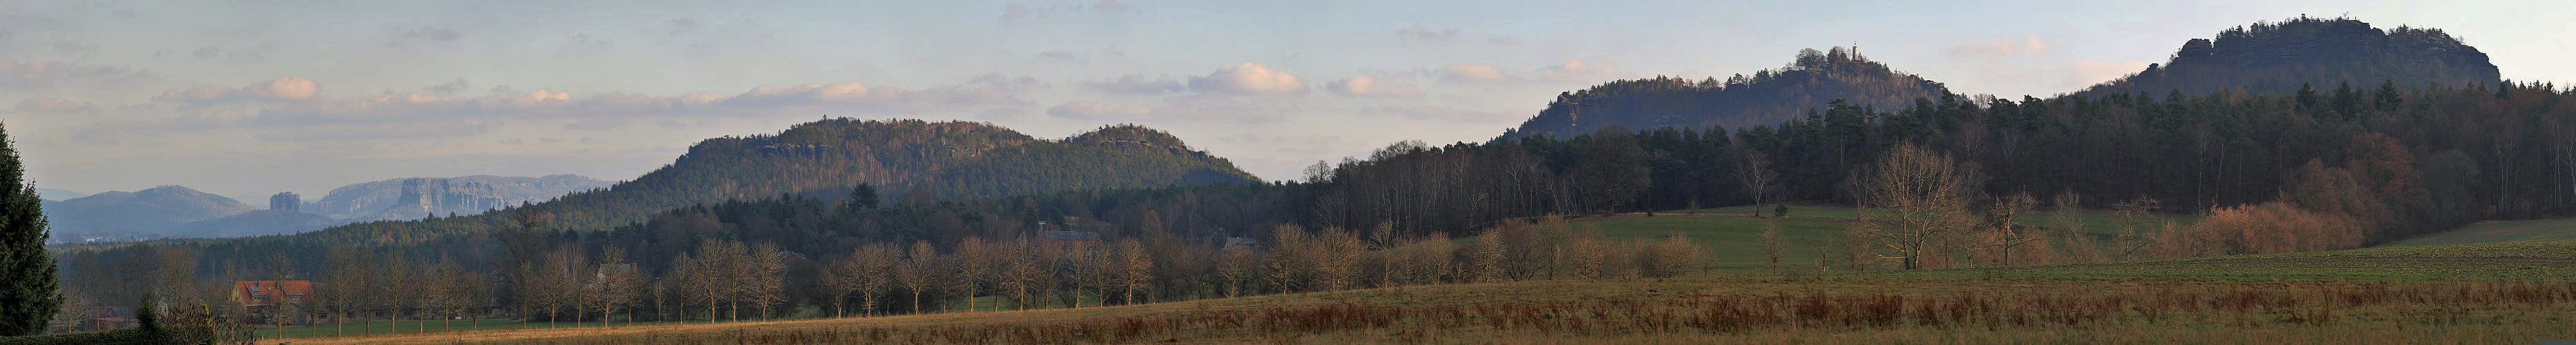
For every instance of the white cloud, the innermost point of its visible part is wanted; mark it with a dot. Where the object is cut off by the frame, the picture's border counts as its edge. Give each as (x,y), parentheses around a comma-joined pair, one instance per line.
(2029,45)
(288,88)
(1464,72)
(40,105)
(1248,78)
(1132,84)
(540,97)
(1371,87)
(280,89)
(1578,66)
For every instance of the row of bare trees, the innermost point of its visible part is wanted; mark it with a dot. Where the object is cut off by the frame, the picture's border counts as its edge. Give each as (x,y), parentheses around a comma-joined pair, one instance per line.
(728,275)
(360,285)
(1025,273)
(1303,260)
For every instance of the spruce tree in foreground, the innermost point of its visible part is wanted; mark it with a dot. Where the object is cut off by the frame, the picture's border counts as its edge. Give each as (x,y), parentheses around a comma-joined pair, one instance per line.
(27,296)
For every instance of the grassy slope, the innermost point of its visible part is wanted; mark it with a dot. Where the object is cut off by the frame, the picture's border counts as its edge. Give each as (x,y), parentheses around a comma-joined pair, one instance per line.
(2296,298)
(2498,231)
(2525,261)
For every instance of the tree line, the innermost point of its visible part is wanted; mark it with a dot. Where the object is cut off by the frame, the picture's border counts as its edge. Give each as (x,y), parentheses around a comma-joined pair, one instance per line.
(2324,169)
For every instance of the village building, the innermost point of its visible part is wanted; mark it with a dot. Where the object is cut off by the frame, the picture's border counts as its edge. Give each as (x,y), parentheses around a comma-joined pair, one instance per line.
(275,299)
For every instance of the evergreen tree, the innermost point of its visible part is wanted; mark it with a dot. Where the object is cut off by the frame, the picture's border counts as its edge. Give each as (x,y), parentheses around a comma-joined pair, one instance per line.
(864,196)
(27,286)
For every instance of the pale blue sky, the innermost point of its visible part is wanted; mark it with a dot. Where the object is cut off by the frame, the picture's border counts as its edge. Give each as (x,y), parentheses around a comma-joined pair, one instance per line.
(255,97)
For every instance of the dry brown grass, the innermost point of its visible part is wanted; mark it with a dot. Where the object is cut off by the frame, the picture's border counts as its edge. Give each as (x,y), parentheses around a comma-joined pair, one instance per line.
(1716,309)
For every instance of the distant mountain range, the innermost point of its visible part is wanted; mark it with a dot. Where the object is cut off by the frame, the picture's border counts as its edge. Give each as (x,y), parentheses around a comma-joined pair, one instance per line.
(415,198)
(50,194)
(155,212)
(180,212)
(921,160)
(907,160)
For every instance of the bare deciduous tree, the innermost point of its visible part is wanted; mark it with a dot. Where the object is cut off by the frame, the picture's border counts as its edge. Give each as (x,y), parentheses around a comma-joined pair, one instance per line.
(1290,255)
(1427,259)
(1753,173)
(920,271)
(614,283)
(766,285)
(1587,253)
(1772,246)
(868,272)
(1019,275)
(1675,256)
(1337,262)
(2003,231)
(974,263)
(1234,268)
(1137,268)
(1925,195)
(1487,262)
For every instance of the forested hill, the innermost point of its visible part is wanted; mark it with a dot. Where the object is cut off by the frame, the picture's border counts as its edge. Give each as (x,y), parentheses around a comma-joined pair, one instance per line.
(1766,97)
(2313,52)
(905,159)
(155,212)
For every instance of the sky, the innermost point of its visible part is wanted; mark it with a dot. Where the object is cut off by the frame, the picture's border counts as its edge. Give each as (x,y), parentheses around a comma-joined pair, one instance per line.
(248,98)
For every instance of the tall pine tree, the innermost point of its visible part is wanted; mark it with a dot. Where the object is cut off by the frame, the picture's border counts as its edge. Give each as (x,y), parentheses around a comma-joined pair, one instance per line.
(27,296)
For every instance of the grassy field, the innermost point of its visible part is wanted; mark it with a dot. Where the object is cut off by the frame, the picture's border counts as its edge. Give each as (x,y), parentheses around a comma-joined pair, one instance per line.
(2488,293)
(380,327)
(2498,231)
(1733,236)
(2522,261)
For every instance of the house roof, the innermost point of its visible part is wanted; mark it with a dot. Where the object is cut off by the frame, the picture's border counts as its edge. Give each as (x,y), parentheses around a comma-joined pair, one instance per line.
(274,290)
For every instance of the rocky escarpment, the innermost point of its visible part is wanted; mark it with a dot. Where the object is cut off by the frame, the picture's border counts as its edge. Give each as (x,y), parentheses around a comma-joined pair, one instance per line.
(415,198)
